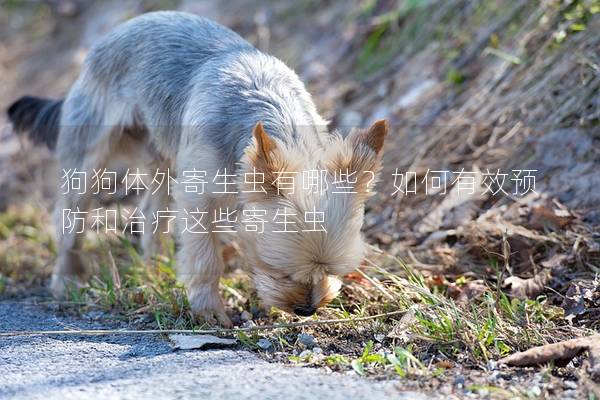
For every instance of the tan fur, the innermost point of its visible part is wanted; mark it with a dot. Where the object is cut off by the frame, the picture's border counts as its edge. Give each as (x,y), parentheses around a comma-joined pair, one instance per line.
(198,114)
(294,270)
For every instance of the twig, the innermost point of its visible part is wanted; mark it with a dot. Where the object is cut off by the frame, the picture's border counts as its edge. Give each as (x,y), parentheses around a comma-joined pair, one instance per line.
(93,332)
(376,282)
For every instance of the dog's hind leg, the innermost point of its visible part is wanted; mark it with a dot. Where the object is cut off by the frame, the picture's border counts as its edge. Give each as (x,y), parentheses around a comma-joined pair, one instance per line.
(70,211)
(154,201)
(85,142)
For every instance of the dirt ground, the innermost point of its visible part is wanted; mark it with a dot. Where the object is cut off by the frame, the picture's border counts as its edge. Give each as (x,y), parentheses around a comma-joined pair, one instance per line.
(486,88)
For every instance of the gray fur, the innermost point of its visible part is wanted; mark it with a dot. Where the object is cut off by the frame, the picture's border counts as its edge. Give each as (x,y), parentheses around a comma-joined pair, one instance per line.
(193,90)
(189,92)
(170,70)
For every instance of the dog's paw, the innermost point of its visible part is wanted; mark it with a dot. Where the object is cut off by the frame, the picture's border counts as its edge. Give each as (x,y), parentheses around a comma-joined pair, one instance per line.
(207,305)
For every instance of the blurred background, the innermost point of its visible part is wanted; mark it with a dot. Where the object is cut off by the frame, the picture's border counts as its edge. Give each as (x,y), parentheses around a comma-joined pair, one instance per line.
(465,84)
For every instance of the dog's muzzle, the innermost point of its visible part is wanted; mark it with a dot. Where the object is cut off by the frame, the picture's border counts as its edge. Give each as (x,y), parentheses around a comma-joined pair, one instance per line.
(305,311)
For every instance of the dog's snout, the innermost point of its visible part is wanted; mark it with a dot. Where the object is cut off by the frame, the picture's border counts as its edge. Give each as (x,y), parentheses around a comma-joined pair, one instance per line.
(305,310)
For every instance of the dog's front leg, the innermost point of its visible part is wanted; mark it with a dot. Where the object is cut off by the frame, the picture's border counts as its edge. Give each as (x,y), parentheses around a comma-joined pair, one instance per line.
(200,264)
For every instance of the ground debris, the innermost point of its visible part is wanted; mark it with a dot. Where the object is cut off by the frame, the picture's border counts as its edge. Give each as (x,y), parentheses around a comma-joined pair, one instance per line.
(561,353)
(543,217)
(582,300)
(457,208)
(192,342)
(307,340)
(467,292)
(527,288)
(264,344)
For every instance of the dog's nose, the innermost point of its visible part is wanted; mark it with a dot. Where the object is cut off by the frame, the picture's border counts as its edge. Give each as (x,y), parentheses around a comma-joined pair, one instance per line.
(305,311)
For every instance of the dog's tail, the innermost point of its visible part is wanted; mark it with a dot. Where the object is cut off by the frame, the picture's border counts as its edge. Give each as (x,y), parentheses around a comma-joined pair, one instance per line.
(38,118)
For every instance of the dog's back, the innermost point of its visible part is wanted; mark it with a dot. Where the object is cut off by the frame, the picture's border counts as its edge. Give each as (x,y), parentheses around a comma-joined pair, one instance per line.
(171,70)
(195,93)
(151,61)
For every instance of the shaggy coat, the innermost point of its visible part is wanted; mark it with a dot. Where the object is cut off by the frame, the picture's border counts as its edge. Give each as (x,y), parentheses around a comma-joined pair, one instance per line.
(192,94)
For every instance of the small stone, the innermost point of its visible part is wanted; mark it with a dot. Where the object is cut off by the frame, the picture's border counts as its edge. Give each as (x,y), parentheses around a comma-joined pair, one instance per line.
(383,89)
(535,391)
(317,350)
(264,344)
(493,376)
(95,315)
(246,316)
(305,354)
(459,381)
(570,384)
(379,337)
(248,324)
(307,340)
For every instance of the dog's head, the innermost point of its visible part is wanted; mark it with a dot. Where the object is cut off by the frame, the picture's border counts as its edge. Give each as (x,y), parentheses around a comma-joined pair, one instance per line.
(302,238)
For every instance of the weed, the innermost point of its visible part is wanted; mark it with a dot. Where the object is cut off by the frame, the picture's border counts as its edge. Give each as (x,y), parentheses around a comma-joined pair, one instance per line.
(148,295)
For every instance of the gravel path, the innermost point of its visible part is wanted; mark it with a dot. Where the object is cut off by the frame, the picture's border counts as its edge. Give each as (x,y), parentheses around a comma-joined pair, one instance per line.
(130,367)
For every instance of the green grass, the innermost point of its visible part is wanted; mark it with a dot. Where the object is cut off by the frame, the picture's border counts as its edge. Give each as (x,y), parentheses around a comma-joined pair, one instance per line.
(435,327)
(575,18)
(387,38)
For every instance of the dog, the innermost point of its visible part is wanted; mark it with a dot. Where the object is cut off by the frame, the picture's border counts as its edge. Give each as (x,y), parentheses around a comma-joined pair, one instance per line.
(191,93)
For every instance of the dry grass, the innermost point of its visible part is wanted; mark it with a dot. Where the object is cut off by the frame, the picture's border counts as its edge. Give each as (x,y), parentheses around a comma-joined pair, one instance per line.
(445,324)
(537,67)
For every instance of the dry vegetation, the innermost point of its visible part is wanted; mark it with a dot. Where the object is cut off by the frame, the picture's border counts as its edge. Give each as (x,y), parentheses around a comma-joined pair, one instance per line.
(494,85)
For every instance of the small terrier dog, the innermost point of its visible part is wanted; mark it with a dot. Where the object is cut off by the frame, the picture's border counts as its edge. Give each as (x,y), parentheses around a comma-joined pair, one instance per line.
(193,94)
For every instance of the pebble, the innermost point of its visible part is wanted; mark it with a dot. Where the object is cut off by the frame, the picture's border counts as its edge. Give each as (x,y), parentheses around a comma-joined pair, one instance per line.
(535,391)
(307,340)
(381,112)
(379,337)
(317,350)
(245,316)
(305,354)
(264,344)
(95,315)
(248,324)
(570,384)
(459,381)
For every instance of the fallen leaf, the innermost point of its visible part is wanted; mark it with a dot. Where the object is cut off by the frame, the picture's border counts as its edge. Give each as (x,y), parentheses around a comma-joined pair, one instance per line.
(558,260)
(561,353)
(401,330)
(527,288)
(467,292)
(445,364)
(582,300)
(189,342)
(573,303)
(435,281)
(358,278)
(544,217)
(458,208)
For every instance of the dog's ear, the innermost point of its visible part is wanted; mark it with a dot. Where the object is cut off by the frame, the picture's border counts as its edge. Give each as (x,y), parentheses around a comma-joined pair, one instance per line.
(261,164)
(373,137)
(358,157)
(264,144)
